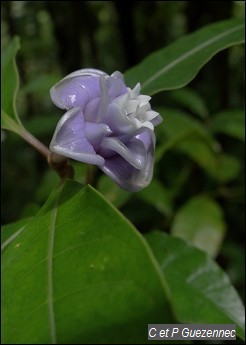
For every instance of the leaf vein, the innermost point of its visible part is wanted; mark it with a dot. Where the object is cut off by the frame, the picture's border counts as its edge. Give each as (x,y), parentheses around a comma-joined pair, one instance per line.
(190,53)
(50,269)
(11,238)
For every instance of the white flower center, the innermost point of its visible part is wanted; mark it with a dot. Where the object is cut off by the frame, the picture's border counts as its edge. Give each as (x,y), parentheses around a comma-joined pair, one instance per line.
(137,107)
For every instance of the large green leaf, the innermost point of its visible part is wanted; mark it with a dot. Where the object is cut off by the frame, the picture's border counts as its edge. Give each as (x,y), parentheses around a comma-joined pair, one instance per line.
(179,125)
(176,65)
(8,123)
(10,231)
(220,166)
(158,196)
(190,100)
(180,131)
(80,273)
(112,192)
(230,122)
(200,291)
(226,168)
(10,85)
(186,134)
(200,221)
(41,83)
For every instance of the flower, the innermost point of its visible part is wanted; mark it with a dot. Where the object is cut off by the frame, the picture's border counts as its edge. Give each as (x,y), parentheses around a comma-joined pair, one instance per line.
(106,124)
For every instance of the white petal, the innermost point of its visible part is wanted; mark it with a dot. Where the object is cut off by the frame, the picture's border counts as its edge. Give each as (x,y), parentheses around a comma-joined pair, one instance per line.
(151,114)
(144,98)
(136,90)
(148,125)
(121,100)
(131,106)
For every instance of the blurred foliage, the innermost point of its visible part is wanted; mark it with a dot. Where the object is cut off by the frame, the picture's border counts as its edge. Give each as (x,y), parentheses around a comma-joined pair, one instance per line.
(200,146)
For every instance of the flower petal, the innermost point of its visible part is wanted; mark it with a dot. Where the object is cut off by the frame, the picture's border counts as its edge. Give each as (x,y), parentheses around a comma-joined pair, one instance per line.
(156,120)
(91,110)
(69,139)
(126,176)
(104,99)
(95,132)
(120,171)
(75,91)
(118,121)
(135,91)
(147,137)
(134,152)
(86,72)
(116,85)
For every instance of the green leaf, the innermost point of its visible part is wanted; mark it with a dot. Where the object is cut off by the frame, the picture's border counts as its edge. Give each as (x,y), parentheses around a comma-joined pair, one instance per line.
(200,221)
(176,65)
(191,100)
(179,124)
(231,122)
(80,273)
(42,125)
(180,130)
(41,83)
(227,168)
(114,194)
(80,171)
(49,179)
(199,290)
(186,134)
(220,166)
(10,231)
(200,151)
(8,123)
(10,86)
(156,195)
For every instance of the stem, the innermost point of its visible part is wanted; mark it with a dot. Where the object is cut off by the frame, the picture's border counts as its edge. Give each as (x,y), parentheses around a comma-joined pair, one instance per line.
(61,165)
(90,175)
(35,143)
(57,162)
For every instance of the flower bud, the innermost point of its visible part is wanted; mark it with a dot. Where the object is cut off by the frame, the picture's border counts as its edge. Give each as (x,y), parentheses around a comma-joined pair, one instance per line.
(106,124)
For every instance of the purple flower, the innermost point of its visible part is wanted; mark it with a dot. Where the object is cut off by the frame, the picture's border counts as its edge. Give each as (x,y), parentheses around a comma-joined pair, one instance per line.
(106,124)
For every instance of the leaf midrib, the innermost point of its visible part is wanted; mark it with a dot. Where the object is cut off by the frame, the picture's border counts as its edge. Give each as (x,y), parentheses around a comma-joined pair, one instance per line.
(189,53)
(50,268)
